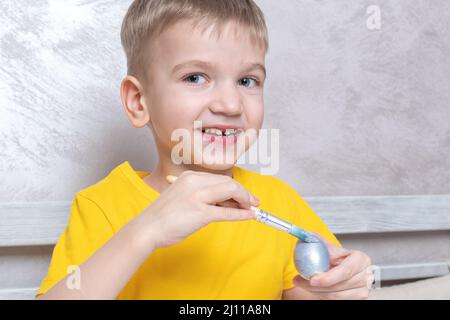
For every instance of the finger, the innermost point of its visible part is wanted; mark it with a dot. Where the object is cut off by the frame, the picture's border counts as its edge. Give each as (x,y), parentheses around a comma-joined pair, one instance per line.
(233,204)
(351,265)
(358,281)
(360,292)
(229,203)
(216,213)
(227,191)
(351,294)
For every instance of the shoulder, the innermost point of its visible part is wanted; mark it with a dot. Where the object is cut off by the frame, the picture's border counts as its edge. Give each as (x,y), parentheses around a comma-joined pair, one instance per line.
(104,198)
(97,189)
(101,190)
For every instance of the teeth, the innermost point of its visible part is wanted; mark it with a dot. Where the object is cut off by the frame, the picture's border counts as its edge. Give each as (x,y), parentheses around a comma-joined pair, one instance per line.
(213,131)
(220,133)
(229,132)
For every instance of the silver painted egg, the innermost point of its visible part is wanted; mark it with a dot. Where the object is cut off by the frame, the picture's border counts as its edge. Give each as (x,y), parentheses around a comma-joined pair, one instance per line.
(311,258)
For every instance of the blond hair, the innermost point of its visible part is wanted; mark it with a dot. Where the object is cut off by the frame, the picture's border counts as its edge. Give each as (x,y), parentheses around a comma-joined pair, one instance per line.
(147,19)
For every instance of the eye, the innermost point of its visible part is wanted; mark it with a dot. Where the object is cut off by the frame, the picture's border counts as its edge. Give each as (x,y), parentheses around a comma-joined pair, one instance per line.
(248,82)
(195,78)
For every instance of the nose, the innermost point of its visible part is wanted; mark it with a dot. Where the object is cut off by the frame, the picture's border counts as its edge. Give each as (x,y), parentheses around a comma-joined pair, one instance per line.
(227,100)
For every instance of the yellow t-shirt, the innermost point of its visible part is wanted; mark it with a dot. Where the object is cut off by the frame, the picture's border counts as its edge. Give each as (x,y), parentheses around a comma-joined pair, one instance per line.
(223,260)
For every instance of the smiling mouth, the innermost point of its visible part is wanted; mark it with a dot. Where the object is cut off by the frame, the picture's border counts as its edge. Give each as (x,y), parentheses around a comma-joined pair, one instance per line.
(222,136)
(222,132)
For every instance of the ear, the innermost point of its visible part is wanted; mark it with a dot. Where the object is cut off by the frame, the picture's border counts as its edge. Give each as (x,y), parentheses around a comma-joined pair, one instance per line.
(133,101)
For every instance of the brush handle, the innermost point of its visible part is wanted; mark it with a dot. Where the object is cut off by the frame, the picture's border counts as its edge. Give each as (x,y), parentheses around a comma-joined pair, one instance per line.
(280,224)
(270,220)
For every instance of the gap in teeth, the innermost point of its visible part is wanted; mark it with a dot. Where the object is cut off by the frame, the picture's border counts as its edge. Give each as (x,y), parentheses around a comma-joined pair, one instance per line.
(219,132)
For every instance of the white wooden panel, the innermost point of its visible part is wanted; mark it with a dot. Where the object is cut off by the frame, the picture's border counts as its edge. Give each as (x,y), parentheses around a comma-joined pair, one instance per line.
(32,223)
(414,271)
(41,223)
(383,213)
(17,294)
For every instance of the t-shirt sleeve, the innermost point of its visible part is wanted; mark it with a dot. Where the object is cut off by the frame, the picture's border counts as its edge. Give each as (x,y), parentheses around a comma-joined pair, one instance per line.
(87,231)
(306,218)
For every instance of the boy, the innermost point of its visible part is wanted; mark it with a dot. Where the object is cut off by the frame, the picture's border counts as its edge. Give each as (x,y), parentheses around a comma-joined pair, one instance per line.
(135,236)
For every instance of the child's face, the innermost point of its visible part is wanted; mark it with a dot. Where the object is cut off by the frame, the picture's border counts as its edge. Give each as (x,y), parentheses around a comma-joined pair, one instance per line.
(199,77)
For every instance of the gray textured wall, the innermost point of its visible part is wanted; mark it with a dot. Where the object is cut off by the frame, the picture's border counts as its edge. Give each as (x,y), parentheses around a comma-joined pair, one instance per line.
(361,112)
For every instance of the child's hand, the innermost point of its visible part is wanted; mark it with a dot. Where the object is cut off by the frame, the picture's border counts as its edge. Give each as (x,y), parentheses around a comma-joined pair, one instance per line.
(190,203)
(350,276)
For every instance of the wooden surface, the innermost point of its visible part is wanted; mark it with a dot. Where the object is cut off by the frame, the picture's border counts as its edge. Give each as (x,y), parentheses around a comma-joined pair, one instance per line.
(25,224)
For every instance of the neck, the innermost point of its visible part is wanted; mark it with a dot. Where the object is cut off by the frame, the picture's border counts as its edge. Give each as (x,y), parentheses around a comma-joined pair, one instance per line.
(164,167)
